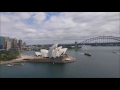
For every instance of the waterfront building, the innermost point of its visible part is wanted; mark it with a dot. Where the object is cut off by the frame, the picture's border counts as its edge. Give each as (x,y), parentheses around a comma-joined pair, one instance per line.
(14,43)
(5,42)
(10,39)
(76,45)
(44,52)
(24,45)
(1,42)
(20,44)
(8,45)
(53,51)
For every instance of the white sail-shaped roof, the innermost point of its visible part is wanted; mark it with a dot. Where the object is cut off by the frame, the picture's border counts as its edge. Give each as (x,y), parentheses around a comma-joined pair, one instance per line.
(55,46)
(64,50)
(44,52)
(50,52)
(57,54)
(60,51)
(60,47)
(37,53)
(53,51)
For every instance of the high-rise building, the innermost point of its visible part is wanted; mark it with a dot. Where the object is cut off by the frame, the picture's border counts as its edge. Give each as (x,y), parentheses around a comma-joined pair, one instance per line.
(20,43)
(1,42)
(5,42)
(24,45)
(76,46)
(14,43)
(10,39)
(8,45)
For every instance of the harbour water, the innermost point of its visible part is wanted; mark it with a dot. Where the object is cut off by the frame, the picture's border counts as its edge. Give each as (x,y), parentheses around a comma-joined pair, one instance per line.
(102,64)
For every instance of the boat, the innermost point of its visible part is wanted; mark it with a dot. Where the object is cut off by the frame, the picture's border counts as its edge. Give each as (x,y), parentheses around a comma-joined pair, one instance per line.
(113,52)
(67,59)
(116,52)
(9,65)
(88,54)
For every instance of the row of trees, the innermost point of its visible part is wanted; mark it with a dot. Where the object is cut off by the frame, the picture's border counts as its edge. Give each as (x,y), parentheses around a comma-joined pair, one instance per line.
(8,55)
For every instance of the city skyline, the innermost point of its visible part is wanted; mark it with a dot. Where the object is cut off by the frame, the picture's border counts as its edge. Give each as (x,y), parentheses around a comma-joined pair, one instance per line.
(58,27)
(11,43)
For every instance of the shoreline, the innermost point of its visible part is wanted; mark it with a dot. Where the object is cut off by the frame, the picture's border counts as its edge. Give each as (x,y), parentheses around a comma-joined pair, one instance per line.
(17,60)
(32,58)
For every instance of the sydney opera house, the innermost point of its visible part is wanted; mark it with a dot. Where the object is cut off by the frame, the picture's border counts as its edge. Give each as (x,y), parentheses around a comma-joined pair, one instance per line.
(53,52)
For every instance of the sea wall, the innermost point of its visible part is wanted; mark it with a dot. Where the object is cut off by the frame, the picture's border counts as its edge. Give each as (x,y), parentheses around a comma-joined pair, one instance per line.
(61,59)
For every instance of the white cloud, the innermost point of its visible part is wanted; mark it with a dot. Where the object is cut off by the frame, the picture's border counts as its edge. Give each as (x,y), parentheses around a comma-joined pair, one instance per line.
(39,17)
(66,27)
(30,30)
(24,15)
(4,19)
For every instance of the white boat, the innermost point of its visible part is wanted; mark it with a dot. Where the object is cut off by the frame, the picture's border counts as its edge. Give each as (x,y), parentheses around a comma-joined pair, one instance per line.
(9,65)
(67,59)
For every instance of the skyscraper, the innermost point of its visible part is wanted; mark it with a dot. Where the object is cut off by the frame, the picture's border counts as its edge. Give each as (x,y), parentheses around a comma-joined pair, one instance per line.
(76,46)
(5,42)
(24,45)
(1,42)
(20,43)
(8,45)
(14,43)
(10,39)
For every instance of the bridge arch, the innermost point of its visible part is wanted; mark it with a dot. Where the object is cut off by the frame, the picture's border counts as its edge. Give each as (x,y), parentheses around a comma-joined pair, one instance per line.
(100,38)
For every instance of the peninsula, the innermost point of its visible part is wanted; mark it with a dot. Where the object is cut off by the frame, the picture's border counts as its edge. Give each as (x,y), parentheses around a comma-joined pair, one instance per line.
(53,55)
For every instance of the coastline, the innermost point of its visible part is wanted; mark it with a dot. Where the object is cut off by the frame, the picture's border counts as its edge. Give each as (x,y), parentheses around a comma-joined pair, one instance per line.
(30,58)
(18,60)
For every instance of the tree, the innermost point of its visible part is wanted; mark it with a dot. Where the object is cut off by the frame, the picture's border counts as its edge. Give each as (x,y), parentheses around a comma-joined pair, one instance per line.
(8,55)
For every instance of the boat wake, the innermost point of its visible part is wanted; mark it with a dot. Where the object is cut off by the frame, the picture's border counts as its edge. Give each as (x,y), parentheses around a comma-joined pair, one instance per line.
(118,53)
(81,53)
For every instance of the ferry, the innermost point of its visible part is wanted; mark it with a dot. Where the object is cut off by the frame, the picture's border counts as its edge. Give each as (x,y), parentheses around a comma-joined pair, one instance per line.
(114,52)
(88,54)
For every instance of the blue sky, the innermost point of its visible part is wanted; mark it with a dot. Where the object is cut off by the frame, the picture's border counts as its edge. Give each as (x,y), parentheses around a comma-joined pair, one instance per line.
(58,27)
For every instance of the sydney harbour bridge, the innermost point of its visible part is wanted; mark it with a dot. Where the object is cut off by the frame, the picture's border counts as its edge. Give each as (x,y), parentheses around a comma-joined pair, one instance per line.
(101,40)
(98,41)
(94,41)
